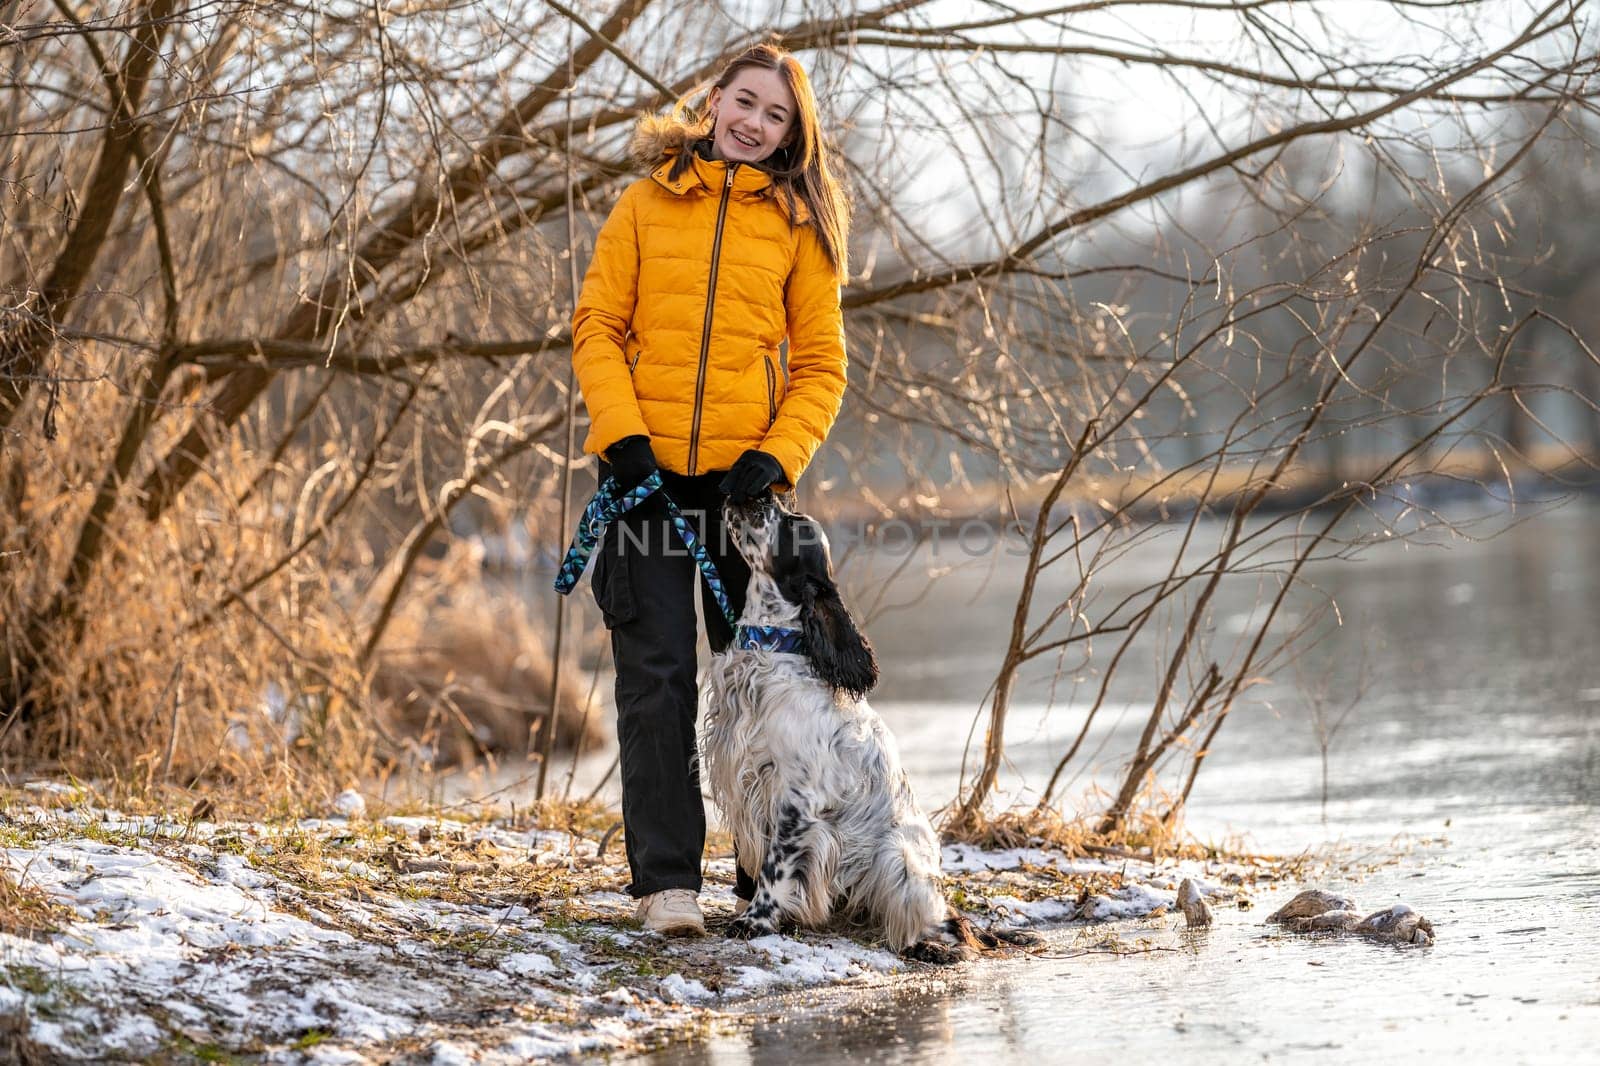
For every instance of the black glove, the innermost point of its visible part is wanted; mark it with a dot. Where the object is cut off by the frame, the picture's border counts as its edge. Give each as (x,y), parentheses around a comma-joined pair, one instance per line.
(631,461)
(752,475)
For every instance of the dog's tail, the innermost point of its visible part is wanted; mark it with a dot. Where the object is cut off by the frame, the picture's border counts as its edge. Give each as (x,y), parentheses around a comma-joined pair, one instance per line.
(904,887)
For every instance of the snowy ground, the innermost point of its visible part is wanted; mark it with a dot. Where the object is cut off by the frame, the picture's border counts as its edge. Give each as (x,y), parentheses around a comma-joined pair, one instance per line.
(428,940)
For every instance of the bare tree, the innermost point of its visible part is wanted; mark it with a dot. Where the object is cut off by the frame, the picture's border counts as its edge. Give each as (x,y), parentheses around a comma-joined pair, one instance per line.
(286,291)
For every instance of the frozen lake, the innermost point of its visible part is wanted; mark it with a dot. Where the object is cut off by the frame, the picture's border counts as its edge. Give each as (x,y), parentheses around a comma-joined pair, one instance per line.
(1467,778)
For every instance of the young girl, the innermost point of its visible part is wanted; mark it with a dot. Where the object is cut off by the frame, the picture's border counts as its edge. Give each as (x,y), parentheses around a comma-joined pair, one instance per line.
(735,241)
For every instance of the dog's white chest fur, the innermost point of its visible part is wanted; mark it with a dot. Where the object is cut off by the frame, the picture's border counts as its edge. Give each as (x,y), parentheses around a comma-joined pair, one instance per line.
(770,726)
(783,754)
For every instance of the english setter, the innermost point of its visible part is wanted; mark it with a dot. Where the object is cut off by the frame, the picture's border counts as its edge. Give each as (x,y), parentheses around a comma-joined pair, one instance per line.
(806,774)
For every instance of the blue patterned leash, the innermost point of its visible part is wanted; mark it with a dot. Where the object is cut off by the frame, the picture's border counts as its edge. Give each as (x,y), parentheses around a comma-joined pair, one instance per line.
(610,504)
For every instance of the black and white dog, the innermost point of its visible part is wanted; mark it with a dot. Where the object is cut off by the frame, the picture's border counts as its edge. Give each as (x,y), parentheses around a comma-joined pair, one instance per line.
(806,774)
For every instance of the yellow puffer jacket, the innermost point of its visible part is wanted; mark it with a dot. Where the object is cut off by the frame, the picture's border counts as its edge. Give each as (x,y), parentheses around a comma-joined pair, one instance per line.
(694,284)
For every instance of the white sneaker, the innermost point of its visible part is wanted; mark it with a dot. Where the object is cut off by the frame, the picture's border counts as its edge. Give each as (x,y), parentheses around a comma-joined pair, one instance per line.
(672,912)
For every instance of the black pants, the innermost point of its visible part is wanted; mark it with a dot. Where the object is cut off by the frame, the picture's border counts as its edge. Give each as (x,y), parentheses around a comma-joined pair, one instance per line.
(644,581)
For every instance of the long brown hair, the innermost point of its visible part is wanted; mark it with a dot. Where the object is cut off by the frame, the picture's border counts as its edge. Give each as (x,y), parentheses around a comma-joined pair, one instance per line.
(801,170)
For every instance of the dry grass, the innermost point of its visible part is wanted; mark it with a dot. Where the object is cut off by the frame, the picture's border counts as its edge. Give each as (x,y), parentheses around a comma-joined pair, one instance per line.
(163,683)
(17,1046)
(448,861)
(467,673)
(204,802)
(1148,839)
(1147,836)
(188,672)
(27,910)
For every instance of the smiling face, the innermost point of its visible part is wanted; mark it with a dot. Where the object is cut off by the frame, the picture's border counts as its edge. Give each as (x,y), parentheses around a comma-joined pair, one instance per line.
(754,116)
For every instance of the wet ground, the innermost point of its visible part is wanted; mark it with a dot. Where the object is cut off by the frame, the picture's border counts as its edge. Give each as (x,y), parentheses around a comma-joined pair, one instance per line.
(1466,782)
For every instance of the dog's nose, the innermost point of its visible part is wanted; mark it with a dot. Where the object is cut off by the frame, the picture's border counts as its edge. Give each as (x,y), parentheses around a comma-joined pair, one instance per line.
(750,512)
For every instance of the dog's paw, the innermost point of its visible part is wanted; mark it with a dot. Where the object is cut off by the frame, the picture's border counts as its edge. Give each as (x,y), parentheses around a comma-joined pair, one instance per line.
(745,927)
(1017,938)
(937,952)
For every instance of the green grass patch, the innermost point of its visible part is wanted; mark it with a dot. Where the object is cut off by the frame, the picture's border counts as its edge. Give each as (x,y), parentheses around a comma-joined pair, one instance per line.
(310,1039)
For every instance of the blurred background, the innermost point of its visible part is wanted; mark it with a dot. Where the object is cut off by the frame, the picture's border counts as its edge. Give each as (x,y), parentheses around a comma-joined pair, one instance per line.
(1181,334)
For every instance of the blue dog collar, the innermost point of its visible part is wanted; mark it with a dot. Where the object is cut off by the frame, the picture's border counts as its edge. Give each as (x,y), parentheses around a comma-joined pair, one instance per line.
(768,638)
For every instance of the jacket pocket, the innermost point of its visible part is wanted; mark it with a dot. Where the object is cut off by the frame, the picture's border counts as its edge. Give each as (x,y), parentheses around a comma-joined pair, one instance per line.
(638,353)
(772,388)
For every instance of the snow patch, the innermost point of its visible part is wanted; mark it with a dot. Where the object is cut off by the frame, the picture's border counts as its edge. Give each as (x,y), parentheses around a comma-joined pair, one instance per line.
(175,932)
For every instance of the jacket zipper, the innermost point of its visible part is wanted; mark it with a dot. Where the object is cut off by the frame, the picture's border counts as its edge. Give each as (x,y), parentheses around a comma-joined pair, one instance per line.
(772,389)
(705,336)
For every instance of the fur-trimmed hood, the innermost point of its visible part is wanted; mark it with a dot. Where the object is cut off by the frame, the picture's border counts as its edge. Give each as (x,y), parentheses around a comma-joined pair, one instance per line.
(659,141)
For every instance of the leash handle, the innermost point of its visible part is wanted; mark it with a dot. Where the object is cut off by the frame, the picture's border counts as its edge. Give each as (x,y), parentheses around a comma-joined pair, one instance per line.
(608,505)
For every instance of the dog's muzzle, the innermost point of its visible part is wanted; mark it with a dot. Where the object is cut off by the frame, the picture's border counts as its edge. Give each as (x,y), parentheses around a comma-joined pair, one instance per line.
(754,514)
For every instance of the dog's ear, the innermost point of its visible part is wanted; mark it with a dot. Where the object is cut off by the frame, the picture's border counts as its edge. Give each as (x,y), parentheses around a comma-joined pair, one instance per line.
(838,651)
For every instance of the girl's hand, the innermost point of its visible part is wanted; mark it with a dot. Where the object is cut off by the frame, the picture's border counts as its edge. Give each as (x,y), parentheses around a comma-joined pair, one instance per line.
(631,461)
(751,475)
